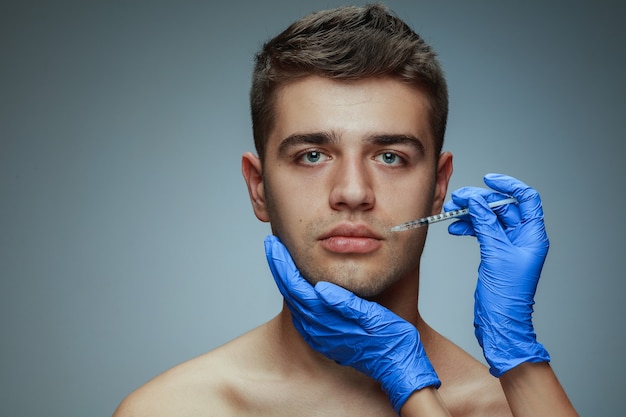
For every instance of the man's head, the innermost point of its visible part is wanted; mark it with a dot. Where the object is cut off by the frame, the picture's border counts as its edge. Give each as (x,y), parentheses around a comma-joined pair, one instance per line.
(348,147)
(347,43)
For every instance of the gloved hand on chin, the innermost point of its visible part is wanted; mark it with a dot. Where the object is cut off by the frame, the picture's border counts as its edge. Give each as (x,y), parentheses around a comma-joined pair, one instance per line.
(352,331)
(513,247)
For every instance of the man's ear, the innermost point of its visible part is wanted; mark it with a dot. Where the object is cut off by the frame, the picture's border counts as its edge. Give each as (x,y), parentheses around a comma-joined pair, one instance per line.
(444,172)
(252,170)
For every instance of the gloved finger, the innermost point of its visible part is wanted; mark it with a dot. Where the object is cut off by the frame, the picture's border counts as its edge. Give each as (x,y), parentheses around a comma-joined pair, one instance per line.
(309,314)
(528,198)
(365,313)
(488,229)
(508,214)
(297,291)
(461,196)
(462,228)
(450,205)
(280,264)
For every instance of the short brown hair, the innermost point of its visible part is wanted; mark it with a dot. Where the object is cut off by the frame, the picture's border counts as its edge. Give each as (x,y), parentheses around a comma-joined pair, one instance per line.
(346,43)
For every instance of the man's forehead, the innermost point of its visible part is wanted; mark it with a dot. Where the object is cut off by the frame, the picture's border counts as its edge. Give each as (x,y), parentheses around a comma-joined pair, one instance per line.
(367,108)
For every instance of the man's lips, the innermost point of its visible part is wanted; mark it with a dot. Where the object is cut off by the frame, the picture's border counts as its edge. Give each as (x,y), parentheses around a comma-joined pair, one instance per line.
(351,238)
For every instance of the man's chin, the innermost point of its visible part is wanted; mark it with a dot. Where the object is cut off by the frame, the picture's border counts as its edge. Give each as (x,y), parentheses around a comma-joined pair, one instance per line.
(364,279)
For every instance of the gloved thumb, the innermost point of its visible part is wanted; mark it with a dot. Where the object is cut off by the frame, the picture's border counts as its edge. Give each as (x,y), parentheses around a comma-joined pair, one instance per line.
(487,227)
(288,279)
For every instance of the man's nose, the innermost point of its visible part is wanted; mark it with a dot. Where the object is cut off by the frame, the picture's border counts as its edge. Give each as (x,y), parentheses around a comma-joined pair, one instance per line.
(352,186)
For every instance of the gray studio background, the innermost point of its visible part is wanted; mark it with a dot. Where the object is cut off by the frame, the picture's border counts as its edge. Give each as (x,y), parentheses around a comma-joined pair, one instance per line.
(127,242)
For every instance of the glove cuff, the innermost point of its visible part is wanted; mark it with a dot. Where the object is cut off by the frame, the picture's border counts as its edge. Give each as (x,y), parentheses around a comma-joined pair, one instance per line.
(504,350)
(501,362)
(400,387)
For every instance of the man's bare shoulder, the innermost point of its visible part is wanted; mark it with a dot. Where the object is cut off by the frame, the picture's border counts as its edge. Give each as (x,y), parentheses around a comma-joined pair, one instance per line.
(205,385)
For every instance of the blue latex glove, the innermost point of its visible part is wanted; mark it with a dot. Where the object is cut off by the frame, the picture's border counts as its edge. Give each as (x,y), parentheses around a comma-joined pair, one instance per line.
(352,331)
(513,246)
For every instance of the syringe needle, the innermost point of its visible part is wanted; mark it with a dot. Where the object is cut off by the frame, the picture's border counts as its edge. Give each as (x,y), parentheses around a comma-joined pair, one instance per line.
(445,216)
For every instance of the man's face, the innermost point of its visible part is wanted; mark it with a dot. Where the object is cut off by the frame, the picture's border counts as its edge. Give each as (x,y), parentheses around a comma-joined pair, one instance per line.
(345,162)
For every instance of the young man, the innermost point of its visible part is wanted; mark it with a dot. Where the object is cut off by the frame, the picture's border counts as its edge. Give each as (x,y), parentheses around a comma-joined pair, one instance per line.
(349,108)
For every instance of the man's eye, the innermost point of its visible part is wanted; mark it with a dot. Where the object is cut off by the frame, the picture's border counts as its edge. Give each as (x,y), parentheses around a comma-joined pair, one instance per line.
(389,158)
(312,157)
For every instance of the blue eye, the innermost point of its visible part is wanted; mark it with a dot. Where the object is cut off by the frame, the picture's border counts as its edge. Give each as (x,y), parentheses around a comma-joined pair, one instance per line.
(312,156)
(390,158)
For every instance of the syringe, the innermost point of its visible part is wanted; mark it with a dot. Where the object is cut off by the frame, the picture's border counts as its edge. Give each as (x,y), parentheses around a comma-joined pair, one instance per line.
(445,216)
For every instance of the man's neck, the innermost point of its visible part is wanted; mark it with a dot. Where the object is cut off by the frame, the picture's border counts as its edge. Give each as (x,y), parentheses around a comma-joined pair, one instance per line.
(296,353)
(401,298)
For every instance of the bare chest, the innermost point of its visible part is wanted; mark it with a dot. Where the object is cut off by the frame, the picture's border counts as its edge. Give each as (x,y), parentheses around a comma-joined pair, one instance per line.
(297,398)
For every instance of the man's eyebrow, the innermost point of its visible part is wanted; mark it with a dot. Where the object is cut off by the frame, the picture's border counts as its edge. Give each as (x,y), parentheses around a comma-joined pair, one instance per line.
(397,139)
(316,138)
(325,138)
